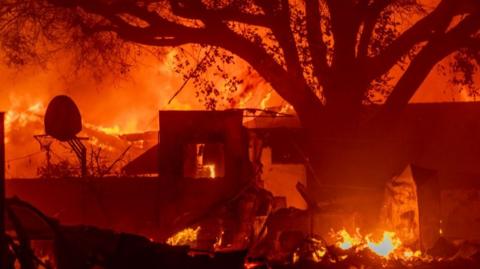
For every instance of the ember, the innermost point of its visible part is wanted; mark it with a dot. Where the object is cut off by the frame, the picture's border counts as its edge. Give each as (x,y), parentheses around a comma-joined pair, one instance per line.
(185,237)
(211,170)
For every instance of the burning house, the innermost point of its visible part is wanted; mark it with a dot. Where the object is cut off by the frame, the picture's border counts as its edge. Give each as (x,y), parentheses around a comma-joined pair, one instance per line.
(271,141)
(424,156)
(237,179)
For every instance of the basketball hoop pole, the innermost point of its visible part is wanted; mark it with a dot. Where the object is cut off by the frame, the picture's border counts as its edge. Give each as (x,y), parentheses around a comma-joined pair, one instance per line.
(81,152)
(3,241)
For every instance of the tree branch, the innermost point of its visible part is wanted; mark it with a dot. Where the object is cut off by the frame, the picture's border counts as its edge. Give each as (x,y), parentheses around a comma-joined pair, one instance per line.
(372,13)
(318,48)
(284,35)
(161,32)
(289,87)
(473,43)
(345,21)
(196,10)
(428,57)
(434,23)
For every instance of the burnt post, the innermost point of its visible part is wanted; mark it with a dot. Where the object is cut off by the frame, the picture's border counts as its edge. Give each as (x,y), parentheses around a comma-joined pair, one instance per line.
(429,200)
(3,241)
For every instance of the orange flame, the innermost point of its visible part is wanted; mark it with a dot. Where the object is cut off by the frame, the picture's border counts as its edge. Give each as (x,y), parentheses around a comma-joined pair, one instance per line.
(386,246)
(211,170)
(187,236)
(347,241)
(264,102)
(389,246)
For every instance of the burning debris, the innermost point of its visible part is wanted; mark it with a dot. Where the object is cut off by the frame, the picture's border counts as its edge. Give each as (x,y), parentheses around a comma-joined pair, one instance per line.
(209,206)
(185,237)
(235,225)
(354,251)
(84,247)
(215,210)
(388,246)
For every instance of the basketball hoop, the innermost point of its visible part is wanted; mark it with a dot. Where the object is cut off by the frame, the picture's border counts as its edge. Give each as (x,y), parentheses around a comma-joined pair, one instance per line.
(63,122)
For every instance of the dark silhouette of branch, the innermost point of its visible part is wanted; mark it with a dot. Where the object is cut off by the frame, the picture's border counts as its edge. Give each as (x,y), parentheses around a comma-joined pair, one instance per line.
(432,53)
(434,23)
(346,56)
(372,12)
(318,48)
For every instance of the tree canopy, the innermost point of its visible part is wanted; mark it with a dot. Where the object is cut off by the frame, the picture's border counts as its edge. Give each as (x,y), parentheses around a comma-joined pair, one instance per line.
(315,54)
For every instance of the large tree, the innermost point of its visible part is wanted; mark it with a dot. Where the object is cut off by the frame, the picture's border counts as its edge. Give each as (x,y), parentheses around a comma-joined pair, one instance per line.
(314,53)
(327,58)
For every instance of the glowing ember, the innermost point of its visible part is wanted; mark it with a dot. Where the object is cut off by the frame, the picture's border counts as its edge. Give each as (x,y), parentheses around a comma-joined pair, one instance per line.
(318,254)
(211,170)
(410,254)
(187,236)
(219,241)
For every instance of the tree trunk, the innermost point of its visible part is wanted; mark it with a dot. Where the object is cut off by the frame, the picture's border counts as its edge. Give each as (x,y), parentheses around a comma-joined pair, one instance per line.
(350,159)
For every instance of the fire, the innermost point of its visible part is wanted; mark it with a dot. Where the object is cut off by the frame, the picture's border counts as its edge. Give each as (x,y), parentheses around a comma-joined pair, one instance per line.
(242,103)
(386,246)
(410,254)
(22,116)
(318,254)
(114,130)
(187,236)
(389,246)
(263,103)
(219,242)
(211,170)
(347,241)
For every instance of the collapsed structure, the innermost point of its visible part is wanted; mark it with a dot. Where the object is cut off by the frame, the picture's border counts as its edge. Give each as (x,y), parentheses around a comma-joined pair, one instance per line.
(433,145)
(218,170)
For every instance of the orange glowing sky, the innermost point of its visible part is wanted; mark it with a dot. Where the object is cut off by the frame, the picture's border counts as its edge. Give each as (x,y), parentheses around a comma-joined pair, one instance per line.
(112,106)
(125,105)
(130,104)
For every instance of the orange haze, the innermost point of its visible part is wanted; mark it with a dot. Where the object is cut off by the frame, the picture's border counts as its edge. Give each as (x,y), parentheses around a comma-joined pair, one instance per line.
(124,105)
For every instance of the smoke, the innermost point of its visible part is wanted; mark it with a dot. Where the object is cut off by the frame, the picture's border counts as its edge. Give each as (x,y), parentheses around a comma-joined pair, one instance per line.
(128,104)
(109,108)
